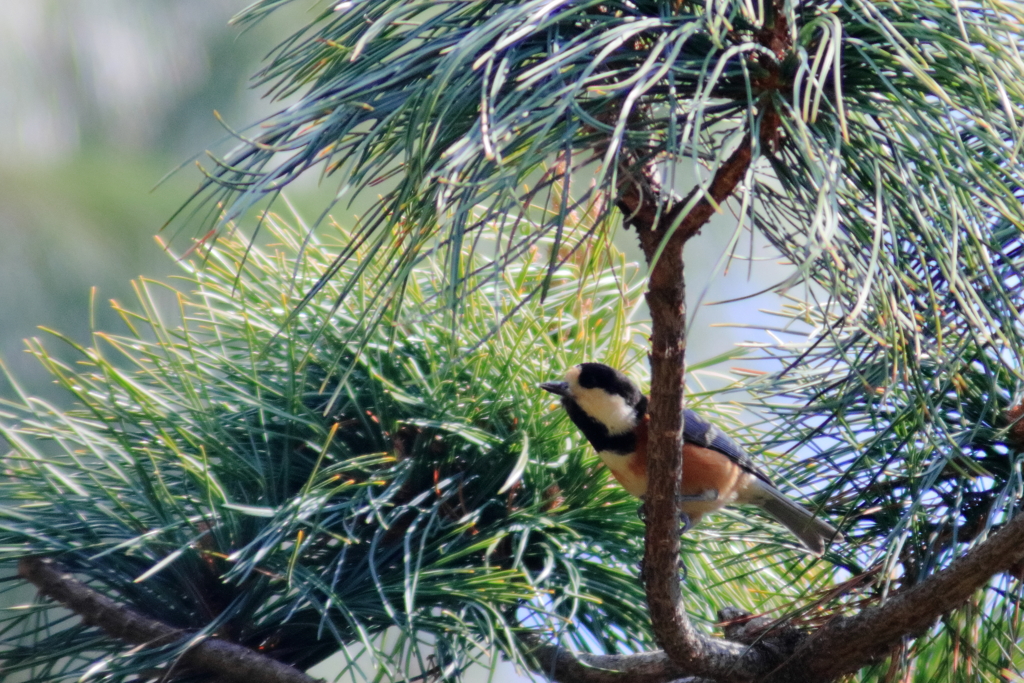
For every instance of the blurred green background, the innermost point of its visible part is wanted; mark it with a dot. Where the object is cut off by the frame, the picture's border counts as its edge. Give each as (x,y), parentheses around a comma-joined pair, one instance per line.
(100,100)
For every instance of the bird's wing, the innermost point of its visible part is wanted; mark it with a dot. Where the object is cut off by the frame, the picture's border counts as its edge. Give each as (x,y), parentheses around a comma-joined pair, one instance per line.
(701,432)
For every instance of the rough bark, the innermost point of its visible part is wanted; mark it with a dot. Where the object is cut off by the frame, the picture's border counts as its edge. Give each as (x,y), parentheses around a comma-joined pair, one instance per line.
(666,299)
(846,644)
(772,653)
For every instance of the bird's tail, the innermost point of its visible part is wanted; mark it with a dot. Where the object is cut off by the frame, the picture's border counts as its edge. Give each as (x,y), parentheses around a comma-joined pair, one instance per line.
(812,531)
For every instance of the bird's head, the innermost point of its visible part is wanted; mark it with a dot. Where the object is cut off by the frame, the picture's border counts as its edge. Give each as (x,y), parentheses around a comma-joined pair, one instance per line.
(596,396)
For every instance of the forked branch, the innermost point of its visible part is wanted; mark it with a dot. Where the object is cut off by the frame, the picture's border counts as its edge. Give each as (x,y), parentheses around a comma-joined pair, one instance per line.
(840,647)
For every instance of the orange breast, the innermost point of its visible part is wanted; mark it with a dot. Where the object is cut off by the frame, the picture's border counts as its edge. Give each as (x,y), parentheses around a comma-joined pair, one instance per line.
(630,470)
(703,469)
(631,481)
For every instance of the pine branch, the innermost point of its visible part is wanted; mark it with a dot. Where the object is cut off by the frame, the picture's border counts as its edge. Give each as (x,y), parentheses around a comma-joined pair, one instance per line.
(228,661)
(782,654)
(566,666)
(666,300)
(847,644)
(657,225)
(693,652)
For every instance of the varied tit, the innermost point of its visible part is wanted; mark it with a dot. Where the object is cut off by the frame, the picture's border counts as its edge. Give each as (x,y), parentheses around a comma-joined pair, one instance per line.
(612,413)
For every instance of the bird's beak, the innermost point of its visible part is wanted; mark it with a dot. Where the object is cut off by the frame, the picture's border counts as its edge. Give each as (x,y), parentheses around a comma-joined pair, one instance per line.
(559,388)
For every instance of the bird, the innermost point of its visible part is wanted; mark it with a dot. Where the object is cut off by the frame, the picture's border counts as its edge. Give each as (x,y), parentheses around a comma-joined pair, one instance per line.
(611,412)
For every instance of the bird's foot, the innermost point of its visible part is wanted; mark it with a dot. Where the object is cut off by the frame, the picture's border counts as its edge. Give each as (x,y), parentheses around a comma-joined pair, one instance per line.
(706,496)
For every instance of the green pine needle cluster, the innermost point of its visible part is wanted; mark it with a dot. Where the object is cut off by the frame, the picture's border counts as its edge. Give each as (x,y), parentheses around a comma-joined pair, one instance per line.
(325,482)
(301,489)
(898,148)
(921,462)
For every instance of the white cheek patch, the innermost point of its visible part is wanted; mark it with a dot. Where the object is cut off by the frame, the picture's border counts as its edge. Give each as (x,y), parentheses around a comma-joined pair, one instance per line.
(609,409)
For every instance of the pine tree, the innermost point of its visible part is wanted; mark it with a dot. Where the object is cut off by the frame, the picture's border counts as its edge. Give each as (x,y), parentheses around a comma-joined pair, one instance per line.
(369,467)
